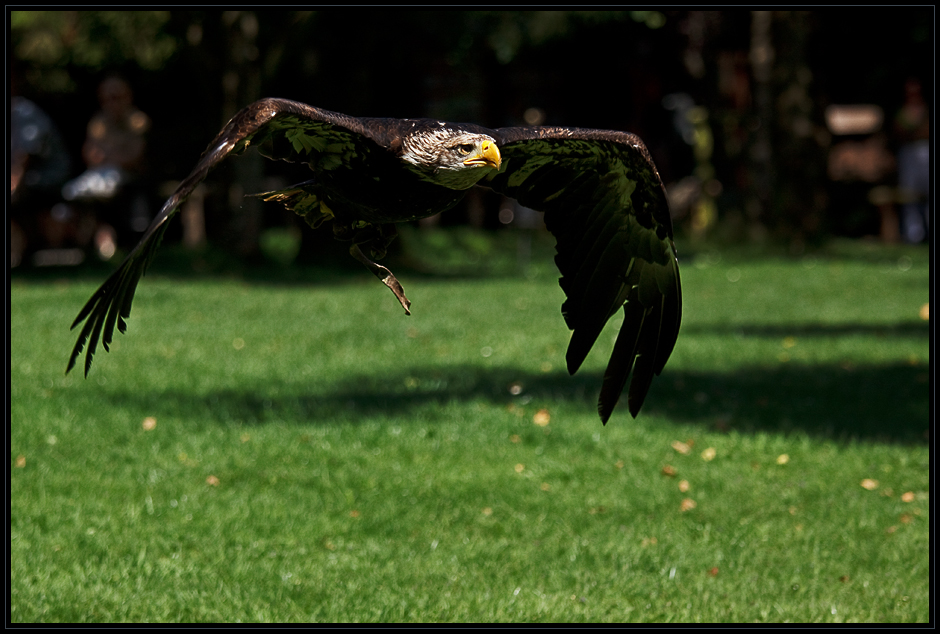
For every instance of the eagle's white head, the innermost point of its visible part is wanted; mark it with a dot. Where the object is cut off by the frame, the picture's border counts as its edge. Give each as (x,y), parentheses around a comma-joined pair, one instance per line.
(453,158)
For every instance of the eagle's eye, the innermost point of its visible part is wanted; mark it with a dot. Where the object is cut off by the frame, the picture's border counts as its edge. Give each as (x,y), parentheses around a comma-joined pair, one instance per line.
(465,148)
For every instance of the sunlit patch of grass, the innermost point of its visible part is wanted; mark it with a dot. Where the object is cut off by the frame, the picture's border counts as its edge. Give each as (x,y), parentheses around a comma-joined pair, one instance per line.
(306,452)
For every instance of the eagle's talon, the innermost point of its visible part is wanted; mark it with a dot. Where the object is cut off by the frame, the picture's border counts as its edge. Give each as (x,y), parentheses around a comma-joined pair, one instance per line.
(386,276)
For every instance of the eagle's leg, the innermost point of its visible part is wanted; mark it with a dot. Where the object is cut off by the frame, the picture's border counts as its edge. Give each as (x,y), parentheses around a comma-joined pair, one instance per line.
(388,278)
(377,239)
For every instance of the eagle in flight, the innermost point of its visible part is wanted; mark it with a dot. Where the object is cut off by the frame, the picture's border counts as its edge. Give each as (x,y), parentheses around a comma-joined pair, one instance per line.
(600,192)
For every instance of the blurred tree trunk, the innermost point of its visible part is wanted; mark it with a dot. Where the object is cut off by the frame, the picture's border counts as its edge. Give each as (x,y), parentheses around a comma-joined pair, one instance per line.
(800,141)
(241,85)
(787,163)
(760,152)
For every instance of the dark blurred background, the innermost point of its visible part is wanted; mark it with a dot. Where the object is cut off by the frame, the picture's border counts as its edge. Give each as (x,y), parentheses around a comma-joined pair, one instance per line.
(789,127)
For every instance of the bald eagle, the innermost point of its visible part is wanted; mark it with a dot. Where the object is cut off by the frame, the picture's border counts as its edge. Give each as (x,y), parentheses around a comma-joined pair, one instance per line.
(599,190)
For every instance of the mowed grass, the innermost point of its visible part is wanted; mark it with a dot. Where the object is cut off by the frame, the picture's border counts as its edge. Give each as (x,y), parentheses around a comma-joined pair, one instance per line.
(305,452)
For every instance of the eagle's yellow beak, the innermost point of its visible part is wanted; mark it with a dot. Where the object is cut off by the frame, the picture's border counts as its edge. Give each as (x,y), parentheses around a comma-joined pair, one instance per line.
(488,155)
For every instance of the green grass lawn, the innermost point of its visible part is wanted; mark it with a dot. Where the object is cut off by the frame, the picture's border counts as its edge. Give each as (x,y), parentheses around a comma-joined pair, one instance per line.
(303,451)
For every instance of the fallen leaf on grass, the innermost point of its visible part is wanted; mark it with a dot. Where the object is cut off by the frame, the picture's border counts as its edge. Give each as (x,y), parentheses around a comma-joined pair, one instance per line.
(520,468)
(908,497)
(149,423)
(487,511)
(212,481)
(669,470)
(783,458)
(869,484)
(683,448)
(925,312)
(687,505)
(713,572)
(541,418)
(684,486)
(20,462)
(709,454)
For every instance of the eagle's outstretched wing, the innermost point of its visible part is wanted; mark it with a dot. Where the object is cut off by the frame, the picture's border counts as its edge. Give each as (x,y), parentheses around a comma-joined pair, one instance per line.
(297,132)
(600,192)
(605,204)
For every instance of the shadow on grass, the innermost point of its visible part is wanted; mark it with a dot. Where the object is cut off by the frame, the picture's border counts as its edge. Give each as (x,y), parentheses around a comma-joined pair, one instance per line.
(832,249)
(432,253)
(470,254)
(207,263)
(773,331)
(886,403)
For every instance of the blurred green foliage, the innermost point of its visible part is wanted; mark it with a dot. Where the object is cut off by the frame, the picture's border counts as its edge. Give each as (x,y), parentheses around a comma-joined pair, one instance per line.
(51,41)
(763,179)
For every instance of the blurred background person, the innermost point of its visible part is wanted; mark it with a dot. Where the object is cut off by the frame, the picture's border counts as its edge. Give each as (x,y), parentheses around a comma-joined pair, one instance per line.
(113,186)
(39,165)
(912,128)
